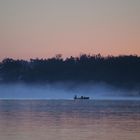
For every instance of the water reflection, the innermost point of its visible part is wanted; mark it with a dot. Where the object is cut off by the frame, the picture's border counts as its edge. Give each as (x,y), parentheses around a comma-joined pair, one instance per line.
(67,120)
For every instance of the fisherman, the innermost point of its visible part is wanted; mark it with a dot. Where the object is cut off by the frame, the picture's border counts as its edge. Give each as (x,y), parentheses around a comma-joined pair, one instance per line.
(75,97)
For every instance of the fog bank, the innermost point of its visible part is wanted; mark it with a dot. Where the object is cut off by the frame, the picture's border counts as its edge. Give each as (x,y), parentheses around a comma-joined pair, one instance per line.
(66,91)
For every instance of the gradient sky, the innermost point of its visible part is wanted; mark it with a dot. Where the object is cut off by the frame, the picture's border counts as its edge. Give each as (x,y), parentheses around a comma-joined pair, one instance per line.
(43,28)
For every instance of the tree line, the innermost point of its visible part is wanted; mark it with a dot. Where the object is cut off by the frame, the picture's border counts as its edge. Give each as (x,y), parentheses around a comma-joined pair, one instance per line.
(124,69)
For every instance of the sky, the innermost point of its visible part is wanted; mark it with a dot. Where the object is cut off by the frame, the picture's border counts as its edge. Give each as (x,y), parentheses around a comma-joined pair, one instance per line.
(44,28)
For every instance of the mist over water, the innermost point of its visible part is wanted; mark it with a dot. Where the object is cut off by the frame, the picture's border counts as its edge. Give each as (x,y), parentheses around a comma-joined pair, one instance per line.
(67,91)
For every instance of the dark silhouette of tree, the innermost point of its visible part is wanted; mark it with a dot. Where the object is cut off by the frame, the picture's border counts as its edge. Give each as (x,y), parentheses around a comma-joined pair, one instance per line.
(121,70)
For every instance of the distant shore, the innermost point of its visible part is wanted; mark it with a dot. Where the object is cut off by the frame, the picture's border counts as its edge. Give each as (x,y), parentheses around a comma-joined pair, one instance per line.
(118,71)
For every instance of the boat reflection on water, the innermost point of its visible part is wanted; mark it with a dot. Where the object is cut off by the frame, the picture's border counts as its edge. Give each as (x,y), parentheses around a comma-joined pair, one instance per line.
(82,97)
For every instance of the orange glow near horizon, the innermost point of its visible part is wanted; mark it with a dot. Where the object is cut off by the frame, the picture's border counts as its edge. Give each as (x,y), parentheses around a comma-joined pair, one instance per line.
(38,45)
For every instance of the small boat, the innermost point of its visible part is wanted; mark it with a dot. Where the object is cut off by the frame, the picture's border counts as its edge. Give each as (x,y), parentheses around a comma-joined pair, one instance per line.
(82,97)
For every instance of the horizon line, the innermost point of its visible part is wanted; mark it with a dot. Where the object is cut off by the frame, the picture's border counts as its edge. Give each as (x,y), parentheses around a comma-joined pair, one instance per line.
(65,57)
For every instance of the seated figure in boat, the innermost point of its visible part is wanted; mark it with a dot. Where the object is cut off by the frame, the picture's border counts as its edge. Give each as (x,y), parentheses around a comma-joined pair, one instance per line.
(82,97)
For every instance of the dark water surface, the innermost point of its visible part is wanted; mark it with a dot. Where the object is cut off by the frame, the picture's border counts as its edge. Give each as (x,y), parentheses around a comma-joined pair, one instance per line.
(69,120)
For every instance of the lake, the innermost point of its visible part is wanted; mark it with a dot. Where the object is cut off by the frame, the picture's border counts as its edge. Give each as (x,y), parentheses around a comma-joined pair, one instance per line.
(69,120)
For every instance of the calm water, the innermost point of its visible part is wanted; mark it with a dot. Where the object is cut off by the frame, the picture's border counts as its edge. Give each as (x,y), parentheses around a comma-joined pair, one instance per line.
(69,120)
